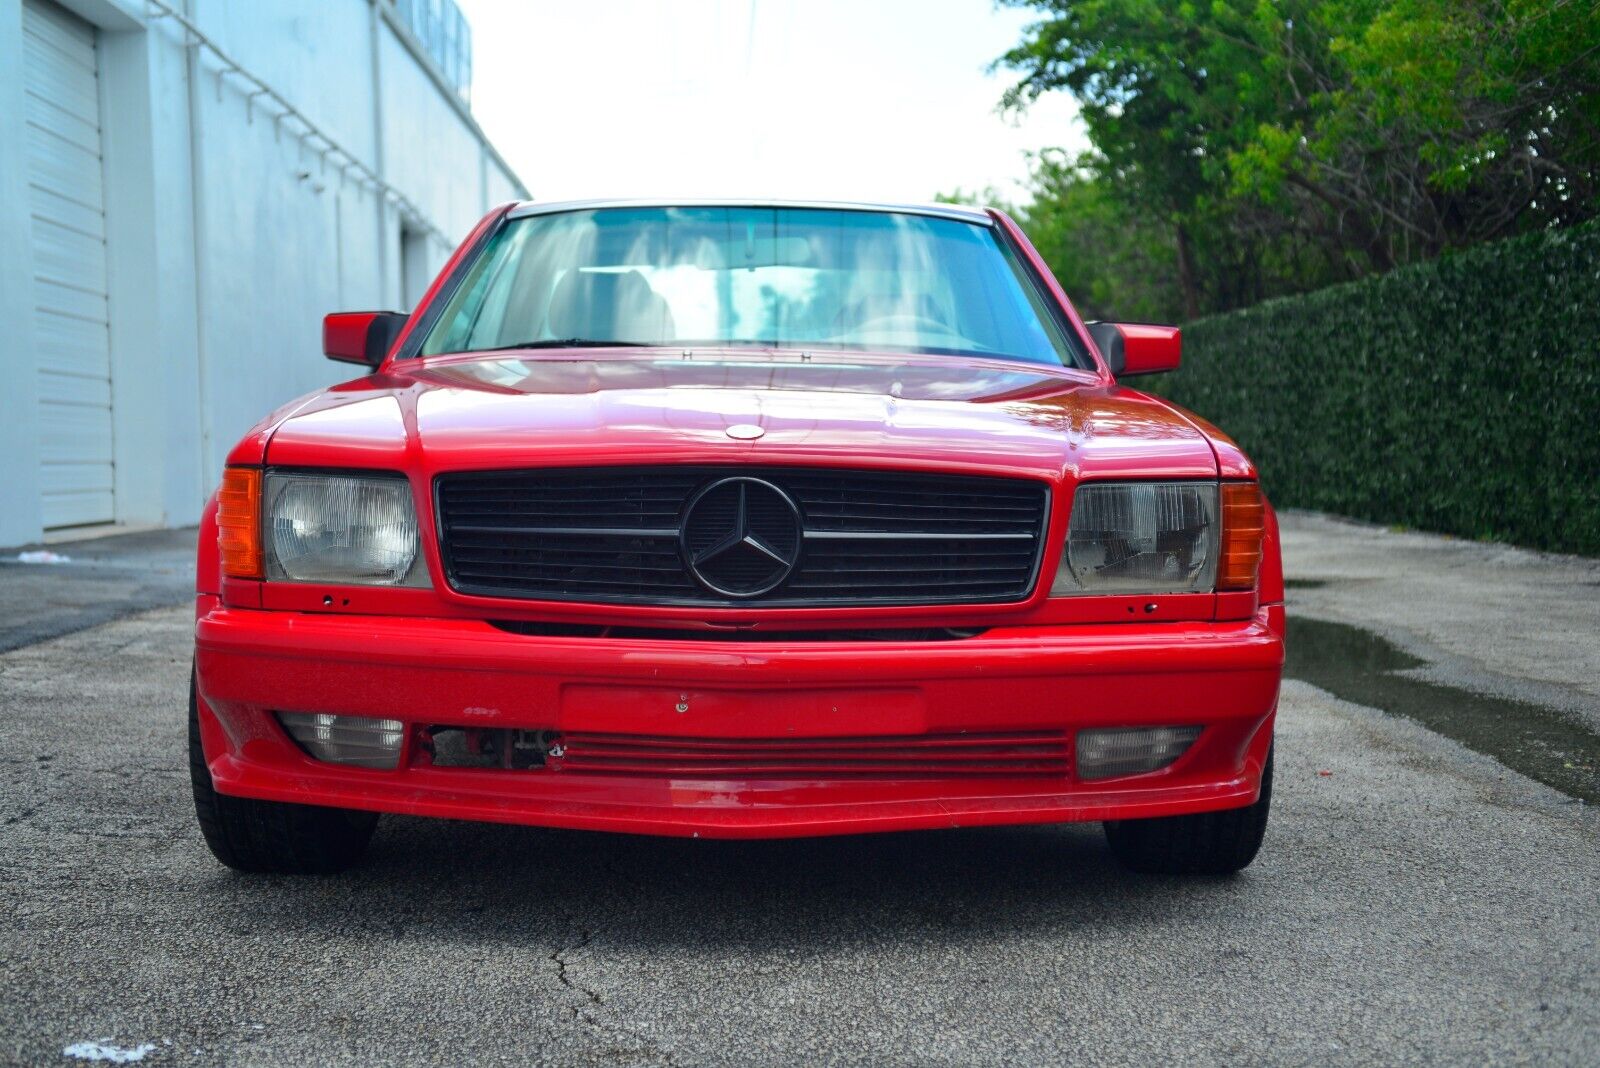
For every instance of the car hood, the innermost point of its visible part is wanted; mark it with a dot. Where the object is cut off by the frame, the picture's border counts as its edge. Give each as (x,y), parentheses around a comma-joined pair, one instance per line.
(656,406)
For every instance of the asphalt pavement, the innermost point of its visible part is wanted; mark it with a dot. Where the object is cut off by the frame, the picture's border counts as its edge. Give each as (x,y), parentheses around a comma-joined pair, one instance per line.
(85,583)
(1416,901)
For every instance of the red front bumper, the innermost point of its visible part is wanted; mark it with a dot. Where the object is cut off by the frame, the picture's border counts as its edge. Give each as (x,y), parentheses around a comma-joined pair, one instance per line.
(250,663)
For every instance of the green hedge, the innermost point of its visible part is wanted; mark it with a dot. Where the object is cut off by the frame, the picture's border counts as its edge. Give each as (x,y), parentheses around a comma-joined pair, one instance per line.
(1461,395)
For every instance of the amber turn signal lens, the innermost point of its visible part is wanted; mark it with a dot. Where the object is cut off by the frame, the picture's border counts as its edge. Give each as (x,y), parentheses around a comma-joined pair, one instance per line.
(239,522)
(1243,522)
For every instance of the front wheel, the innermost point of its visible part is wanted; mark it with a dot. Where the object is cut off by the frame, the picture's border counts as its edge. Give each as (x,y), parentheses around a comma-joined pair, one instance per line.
(1211,843)
(270,836)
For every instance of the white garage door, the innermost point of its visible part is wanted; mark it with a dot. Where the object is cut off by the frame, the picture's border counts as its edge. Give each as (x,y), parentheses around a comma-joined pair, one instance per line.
(62,98)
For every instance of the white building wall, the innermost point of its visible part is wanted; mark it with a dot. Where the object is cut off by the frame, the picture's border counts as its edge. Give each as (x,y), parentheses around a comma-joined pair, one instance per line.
(19,397)
(230,231)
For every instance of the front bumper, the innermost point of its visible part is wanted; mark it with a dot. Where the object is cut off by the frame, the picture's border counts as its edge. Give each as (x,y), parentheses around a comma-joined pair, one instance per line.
(251,663)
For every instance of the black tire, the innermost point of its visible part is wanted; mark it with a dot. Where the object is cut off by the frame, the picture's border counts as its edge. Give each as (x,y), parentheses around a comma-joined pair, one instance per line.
(270,836)
(1211,843)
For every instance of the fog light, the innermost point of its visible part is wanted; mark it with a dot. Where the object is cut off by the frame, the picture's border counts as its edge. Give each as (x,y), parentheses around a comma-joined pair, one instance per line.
(1131,750)
(359,740)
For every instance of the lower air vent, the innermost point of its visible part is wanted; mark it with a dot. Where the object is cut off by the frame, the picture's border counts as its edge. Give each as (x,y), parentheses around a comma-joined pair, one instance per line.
(927,756)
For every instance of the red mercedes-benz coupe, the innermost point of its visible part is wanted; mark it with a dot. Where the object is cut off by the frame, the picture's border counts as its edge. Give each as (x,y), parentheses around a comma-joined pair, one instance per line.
(738,519)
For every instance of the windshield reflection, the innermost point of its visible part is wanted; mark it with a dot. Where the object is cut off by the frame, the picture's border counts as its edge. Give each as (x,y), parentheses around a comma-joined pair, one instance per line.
(846,280)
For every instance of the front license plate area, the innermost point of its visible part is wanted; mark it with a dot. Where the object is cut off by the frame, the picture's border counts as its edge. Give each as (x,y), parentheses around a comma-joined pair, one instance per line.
(741,713)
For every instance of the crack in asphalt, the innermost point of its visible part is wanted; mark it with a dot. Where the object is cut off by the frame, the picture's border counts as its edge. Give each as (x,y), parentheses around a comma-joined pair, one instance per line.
(559,956)
(611,1030)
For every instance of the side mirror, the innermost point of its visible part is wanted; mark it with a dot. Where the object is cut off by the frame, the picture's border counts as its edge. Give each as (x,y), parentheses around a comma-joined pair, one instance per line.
(360,337)
(1138,348)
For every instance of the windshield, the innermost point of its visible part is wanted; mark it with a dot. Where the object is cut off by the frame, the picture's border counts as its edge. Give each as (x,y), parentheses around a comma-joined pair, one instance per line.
(762,277)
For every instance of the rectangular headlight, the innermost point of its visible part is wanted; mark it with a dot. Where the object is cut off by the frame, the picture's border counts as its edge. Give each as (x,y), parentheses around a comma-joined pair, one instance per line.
(344,529)
(1140,537)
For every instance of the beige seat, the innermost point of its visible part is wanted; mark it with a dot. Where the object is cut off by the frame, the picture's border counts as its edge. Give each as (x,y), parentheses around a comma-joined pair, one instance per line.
(606,306)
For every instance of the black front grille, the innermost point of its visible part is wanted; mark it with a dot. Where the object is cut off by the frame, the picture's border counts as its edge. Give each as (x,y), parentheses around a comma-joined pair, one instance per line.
(612,535)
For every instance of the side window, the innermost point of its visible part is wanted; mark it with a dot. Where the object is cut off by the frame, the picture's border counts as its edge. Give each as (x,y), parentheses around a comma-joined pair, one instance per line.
(1045,317)
(464,316)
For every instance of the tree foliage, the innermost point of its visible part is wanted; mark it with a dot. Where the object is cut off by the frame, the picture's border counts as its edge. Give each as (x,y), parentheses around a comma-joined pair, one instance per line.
(1457,394)
(1114,263)
(1244,149)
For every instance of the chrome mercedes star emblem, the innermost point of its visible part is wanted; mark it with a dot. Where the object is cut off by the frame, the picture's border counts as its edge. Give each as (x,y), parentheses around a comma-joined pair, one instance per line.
(741,537)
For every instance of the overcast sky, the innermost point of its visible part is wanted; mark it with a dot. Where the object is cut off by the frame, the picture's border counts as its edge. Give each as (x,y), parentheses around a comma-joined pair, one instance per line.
(833,99)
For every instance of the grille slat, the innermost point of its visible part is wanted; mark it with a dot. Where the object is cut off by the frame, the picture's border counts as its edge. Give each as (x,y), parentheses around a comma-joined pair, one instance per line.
(568,532)
(565,552)
(841,571)
(909,584)
(945,558)
(941,756)
(621,583)
(611,535)
(490,572)
(493,560)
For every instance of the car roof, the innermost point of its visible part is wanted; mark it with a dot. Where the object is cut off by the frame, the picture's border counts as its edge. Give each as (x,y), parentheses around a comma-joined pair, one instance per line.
(961,212)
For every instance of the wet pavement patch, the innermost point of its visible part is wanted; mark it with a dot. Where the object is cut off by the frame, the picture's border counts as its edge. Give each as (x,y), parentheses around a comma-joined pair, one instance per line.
(1304,584)
(1358,666)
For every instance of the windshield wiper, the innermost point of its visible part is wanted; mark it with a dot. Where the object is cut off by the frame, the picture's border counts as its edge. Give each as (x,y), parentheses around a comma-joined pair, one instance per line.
(576,343)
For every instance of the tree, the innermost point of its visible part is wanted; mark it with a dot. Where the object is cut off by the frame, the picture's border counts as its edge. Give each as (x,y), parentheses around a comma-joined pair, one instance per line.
(1286,144)
(1114,265)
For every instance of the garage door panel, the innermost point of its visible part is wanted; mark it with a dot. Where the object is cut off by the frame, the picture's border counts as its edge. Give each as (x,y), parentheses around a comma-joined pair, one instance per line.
(61,30)
(77,478)
(52,208)
(58,165)
(52,297)
(86,390)
(65,256)
(57,60)
(71,345)
(56,75)
(72,433)
(49,26)
(66,201)
(51,116)
(68,508)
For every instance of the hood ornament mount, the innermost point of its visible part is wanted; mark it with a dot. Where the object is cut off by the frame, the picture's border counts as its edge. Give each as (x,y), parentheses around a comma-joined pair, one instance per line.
(745,431)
